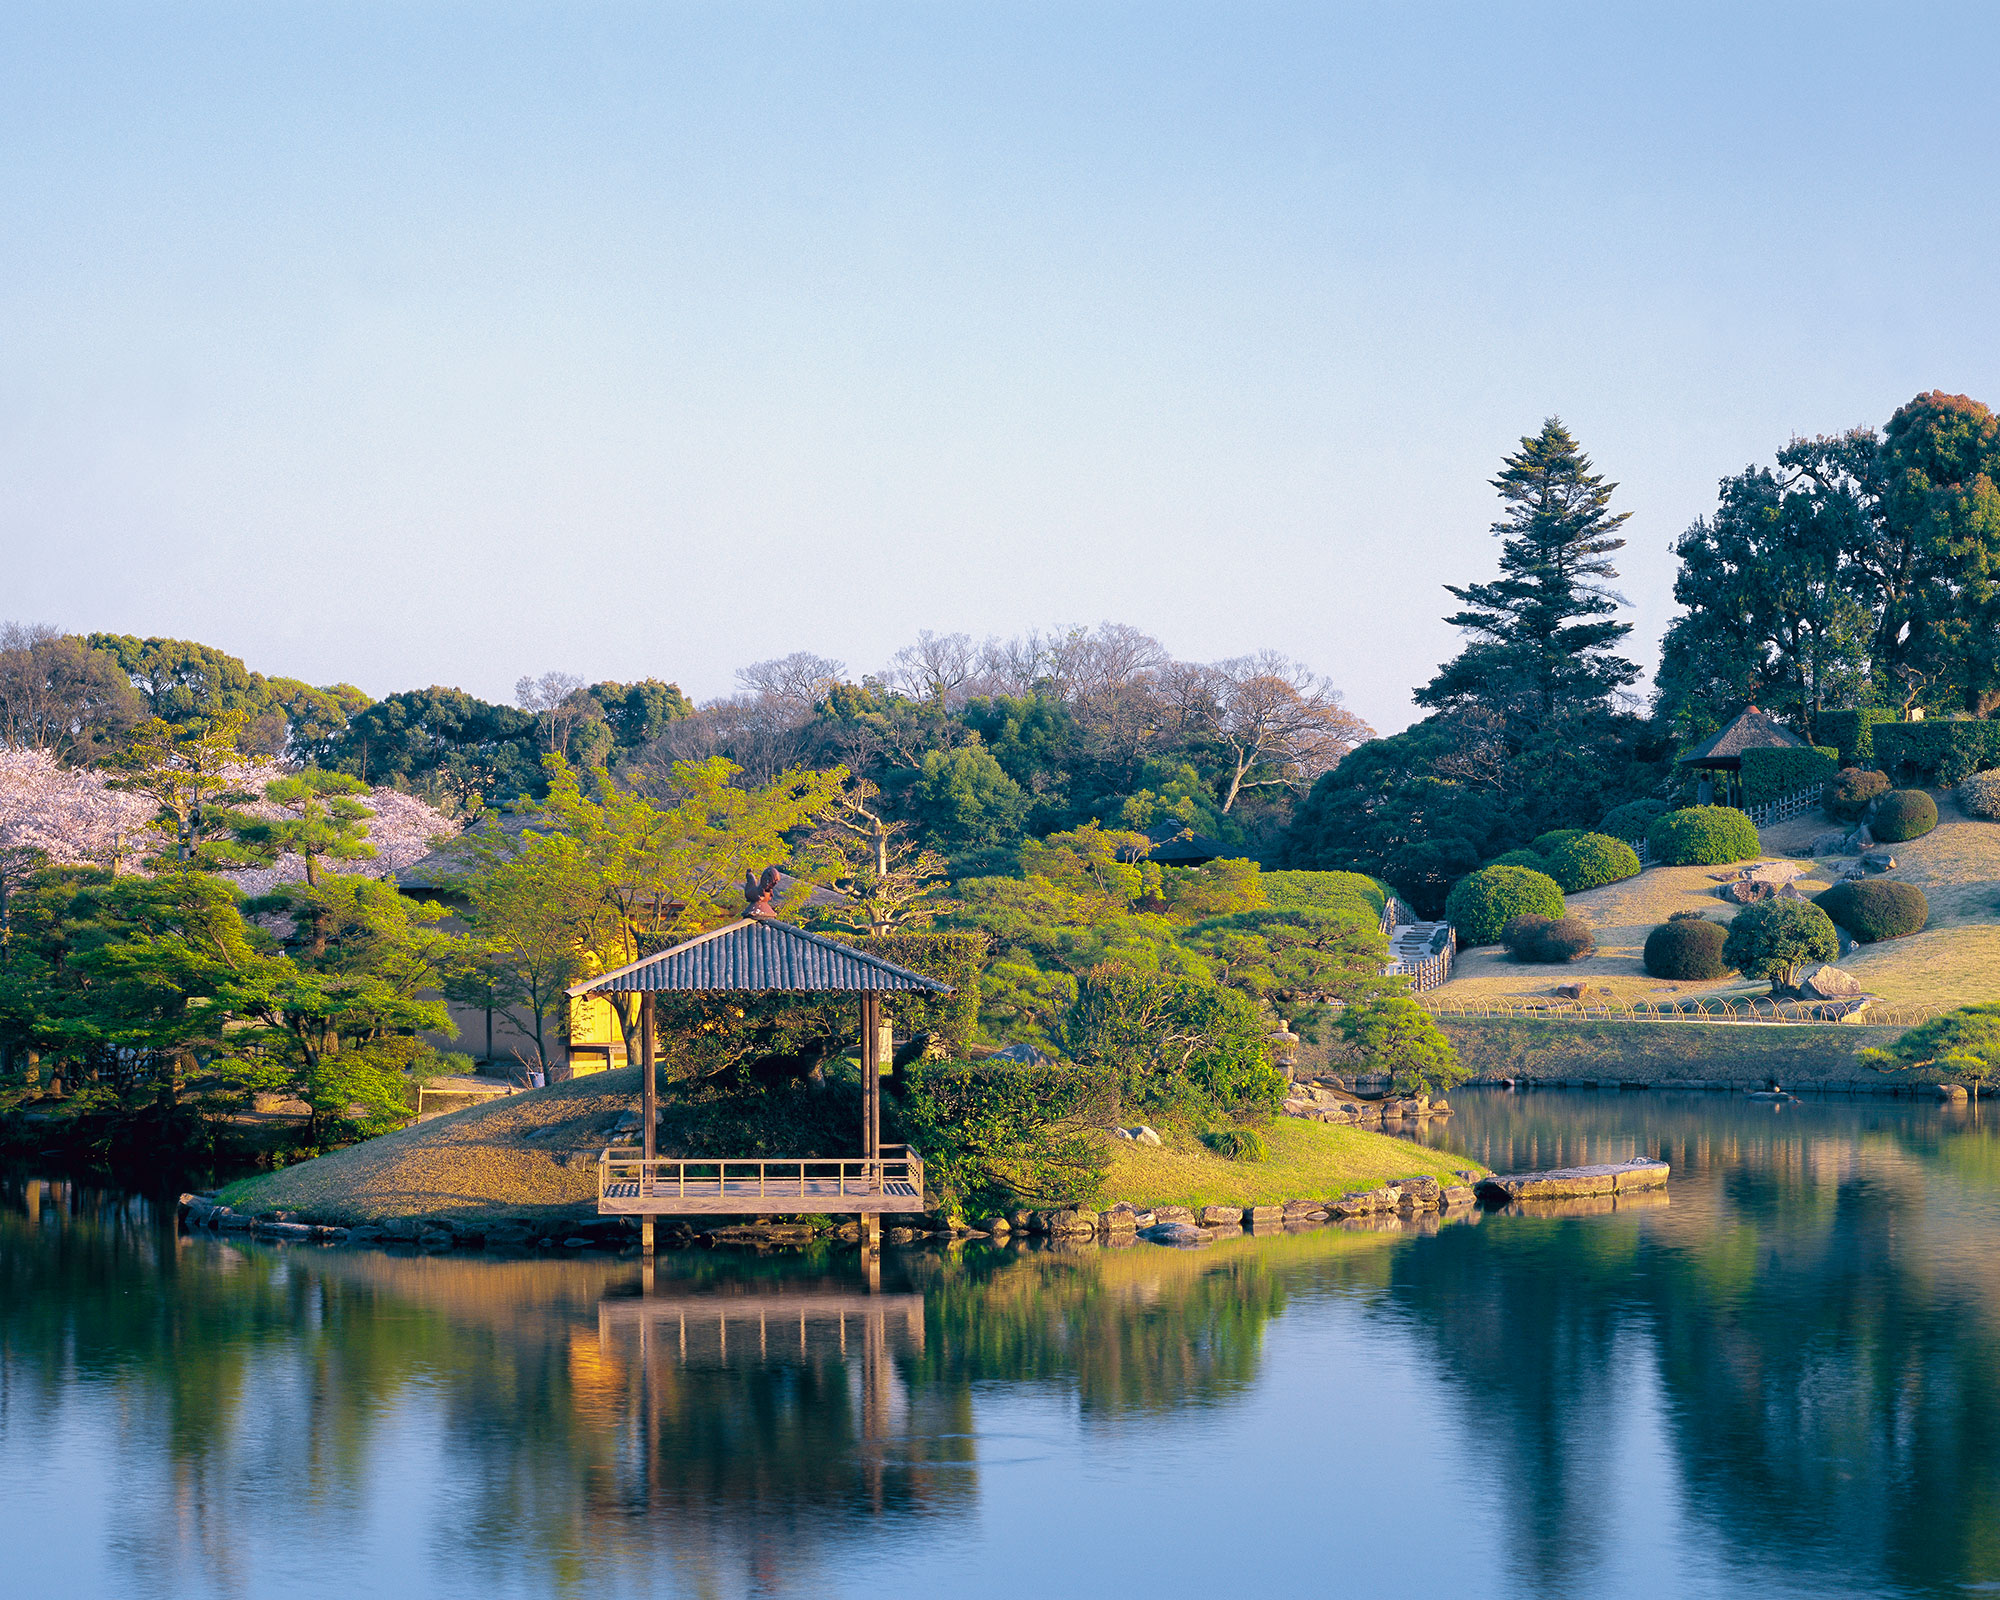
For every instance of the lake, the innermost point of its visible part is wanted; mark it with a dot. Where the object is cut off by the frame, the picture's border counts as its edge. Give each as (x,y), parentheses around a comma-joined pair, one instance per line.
(1784,1381)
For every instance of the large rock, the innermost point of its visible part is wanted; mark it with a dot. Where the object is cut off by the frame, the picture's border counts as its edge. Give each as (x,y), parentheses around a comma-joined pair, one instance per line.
(1419,1194)
(1857,841)
(1146,1136)
(1748,891)
(1166,1214)
(1830,983)
(1264,1216)
(1457,1195)
(1304,1210)
(1878,861)
(1572,1182)
(1830,843)
(1176,1233)
(1119,1219)
(1776,872)
(1221,1216)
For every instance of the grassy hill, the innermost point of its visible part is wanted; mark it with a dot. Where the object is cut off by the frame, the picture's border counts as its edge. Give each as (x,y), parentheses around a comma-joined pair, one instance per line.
(1954,961)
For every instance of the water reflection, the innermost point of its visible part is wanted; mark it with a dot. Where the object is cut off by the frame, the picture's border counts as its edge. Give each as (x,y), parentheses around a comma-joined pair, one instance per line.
(1782,1379)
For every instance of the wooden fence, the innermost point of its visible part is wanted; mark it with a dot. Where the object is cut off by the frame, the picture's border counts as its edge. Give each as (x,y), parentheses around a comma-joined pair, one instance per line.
(1785,807)
(1783,1013)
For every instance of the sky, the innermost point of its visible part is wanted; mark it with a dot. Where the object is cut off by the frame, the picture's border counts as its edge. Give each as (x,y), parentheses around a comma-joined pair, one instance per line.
(423,343)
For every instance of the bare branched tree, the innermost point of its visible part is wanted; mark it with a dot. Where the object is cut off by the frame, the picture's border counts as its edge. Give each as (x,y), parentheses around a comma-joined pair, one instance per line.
(1279,722)
(797,682)
(559,703)
(940,667)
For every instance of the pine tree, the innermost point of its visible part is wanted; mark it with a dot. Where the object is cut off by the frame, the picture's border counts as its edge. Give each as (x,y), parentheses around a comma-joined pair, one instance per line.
(1542,642)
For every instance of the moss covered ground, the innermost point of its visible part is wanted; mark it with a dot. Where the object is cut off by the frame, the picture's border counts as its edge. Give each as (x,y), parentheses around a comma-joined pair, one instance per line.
(1308,1160)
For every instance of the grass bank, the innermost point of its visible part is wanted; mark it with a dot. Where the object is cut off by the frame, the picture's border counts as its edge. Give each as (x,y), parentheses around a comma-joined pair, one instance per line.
(1656,1052)
(1308,1160)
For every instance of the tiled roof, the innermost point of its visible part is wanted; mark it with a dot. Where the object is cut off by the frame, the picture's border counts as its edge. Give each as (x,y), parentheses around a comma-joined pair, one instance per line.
(759,955)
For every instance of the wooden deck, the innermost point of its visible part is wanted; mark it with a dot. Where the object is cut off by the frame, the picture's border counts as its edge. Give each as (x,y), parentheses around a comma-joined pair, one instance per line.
(672,1186)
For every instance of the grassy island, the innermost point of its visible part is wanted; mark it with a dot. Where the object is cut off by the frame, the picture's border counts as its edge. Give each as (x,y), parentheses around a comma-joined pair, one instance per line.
(1307,1160)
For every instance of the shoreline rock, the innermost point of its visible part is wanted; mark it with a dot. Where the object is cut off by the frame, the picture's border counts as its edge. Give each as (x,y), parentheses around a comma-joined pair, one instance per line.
(1569,1183)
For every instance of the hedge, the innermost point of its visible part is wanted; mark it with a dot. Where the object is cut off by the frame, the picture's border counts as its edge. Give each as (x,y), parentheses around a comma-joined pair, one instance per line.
(1703,836)
(1687,948)
(1941,753)
(1589,861)
(1853,732)
(1773,774)
(1520,858)
(996,1135)
(1554,839)
(1874,909)
(1851,791)
(1484,902)
(1903,814)
(1631,820)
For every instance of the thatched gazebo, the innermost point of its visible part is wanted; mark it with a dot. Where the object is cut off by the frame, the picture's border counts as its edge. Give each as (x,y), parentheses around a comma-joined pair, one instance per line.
(1720,759)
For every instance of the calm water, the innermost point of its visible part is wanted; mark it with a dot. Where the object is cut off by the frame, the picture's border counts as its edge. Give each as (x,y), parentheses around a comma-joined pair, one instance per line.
(1785,1381)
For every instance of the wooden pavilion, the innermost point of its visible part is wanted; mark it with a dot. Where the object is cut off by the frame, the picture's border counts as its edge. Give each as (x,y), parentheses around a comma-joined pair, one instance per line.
(1720,759)
(760,955)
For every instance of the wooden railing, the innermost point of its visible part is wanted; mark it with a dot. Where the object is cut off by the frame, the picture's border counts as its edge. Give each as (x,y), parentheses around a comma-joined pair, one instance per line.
(897,1169)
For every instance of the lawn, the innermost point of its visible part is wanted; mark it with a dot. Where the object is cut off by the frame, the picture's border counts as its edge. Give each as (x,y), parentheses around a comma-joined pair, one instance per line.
(1308,1160)
(1953,961)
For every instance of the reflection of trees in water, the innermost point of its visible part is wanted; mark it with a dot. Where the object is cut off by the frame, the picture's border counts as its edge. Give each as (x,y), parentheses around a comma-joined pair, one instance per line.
(1822,1298)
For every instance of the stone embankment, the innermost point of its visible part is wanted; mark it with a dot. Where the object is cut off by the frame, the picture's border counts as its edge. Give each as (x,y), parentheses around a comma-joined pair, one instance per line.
(426,1233)
(1638,1175)
(1183,1225)
(1334,1099)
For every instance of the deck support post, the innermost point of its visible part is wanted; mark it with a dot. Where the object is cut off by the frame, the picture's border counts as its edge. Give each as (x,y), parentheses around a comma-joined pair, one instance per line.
(646,1237)
(871,1231)
(649,1107)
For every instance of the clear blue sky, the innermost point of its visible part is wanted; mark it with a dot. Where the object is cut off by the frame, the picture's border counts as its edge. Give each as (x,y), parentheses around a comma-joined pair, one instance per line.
(412,343)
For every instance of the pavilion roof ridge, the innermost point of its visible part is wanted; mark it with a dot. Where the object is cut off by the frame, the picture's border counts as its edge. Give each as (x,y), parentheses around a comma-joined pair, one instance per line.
(754,954)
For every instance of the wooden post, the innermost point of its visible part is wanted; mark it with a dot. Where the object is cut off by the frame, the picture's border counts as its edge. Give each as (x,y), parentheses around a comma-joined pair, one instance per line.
(649,1106)
(646,1238)
(871,1076)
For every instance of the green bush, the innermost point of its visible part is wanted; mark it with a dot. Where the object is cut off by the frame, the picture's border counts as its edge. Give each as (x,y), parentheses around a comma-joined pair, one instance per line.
(1853,732)
(1903,814)
(1773,774)
(1482,903)
(1520,858)
(1851,791)
(1177,1045)
(1589,861)
(1942,753)
(1237,1144)
(1703,836)
(1392,1033)
(1686,948)
(1000,1134)
(1874,909)
(1553,839)
(1778,940)
(1548,939)
(1979,795)
(1631,820)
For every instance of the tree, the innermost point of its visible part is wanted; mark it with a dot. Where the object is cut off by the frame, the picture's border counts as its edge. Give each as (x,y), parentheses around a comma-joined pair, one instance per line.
(185,682)
(458,751)
(638,713)
(322,819)
(1394,1034)
(59,696)
(1778,940)
(1178,1045)
(1961,1044)
(531,915)
(1541,635)
(187,771)
(887,878)
(1274,721)
(963,801)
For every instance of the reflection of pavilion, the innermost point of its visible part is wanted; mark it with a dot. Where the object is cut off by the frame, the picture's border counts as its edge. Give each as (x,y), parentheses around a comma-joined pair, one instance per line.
(785,1395)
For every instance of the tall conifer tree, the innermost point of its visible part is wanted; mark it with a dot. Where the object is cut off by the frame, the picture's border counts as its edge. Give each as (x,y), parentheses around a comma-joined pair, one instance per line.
(1542,645)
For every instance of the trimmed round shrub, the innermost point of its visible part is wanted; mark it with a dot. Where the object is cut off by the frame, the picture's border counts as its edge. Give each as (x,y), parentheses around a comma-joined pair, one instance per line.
(1520,858)
(1874,909)
(1686,947)
(1554,839)
(1482,903)
(1589,861)
(1549,939)
(1979,795)
(1631,820)
(1703,836)
(1903,814)
(1851,791)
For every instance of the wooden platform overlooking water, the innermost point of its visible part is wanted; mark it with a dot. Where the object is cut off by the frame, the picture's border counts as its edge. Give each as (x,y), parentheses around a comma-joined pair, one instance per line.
(628,1184)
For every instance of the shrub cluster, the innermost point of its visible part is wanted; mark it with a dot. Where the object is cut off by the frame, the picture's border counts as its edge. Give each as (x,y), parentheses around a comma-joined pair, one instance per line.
(1874,909)
(1001,1133)
(1482,903)
(1237,1144)
(1548,939)
(1703,836)
(1589,861)
(1851,791)
(1520,858)
(1687,947)
(1979,795)
(1631,820)
(1903,814)
(1554,839)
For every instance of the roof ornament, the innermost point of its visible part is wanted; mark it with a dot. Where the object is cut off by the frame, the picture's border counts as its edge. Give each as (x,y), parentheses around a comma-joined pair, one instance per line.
(757,893)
